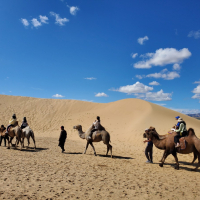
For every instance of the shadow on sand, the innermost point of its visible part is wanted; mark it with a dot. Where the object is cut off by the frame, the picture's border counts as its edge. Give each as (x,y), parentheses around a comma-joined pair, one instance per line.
(73,153)
(115,157)
(182,167)
(30,149)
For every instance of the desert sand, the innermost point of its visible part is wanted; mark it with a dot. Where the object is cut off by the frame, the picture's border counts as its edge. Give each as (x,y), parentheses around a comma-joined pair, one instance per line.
(46,173)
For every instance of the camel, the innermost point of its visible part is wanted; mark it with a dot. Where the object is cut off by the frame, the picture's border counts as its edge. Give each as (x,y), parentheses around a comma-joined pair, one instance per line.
(15,131)
(3,136)
(166,142)
(27,133)
(97,136)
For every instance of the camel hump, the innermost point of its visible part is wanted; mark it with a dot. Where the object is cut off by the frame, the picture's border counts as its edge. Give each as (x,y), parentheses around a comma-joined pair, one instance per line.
(191,132)
(101,128)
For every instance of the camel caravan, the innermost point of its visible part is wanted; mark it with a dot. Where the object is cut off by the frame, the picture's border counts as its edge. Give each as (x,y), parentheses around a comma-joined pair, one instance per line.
(178,140)
(14,130)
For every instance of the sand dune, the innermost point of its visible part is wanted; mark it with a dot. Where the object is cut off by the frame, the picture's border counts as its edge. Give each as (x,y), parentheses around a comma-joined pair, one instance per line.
(48,174)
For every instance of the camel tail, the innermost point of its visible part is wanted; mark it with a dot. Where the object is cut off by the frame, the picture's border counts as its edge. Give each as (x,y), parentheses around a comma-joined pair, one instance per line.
(191,131)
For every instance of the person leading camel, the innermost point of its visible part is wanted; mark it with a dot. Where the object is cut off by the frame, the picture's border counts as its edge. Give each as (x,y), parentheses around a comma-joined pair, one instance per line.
(24,123)
(181,132)
(97,124)
(149,149)
(62,138)
(12,122)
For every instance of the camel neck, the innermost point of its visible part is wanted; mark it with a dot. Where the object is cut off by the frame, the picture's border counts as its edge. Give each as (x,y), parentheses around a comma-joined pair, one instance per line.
(81,134)
(158,143)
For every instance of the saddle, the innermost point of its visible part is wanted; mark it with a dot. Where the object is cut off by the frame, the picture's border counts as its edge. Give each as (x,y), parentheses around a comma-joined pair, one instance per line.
(182,143)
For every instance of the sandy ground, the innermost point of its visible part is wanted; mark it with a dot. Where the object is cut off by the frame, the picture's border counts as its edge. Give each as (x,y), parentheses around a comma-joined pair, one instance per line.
(46,173)
(49,174)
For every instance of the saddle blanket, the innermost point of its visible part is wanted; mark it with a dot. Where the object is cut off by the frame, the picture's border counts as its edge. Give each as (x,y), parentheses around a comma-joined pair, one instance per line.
(182,143)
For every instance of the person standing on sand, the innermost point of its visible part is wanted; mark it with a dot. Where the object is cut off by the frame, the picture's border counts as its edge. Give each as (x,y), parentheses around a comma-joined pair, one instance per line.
(62,138)
(149,149)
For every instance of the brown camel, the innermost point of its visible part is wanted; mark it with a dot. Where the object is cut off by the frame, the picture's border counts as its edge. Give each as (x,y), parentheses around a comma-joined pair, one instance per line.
(97,136)
(15,131)
(166,142)
(3,135)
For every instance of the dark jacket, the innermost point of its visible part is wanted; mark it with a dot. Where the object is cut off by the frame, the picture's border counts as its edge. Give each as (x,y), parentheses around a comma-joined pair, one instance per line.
(63,136)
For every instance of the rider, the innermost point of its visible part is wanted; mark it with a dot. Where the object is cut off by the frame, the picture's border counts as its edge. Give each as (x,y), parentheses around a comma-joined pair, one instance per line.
(178,124)
(96,124)
(12,122)
(181,132)
(24,123)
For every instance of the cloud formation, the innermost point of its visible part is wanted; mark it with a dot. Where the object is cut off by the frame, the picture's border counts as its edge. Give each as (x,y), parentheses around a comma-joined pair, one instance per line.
(90,78)
(163,57)
(142,40)
(176,67)
(195,34)
(135,88)
(101,94)
(165,74)
(57,96)
(73,9)
(36,23)
(154,83)
(25,22)
(158,96)
(43,19)
(196,92)
(60,21)
(134,55)
(187,111)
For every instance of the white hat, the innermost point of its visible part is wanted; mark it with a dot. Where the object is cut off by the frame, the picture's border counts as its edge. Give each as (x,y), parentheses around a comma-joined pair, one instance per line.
(146,129)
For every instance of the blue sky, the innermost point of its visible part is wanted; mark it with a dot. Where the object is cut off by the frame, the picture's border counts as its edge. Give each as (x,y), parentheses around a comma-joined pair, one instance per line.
(102,51)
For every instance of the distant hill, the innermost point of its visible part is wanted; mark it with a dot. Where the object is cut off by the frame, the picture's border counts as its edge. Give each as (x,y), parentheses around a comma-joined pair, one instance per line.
(197,116)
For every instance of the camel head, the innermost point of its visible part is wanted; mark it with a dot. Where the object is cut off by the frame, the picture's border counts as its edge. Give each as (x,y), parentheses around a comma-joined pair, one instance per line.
(150,133)
(78,127)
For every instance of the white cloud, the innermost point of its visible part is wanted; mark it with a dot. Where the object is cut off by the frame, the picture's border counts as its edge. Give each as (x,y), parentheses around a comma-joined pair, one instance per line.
(196,90)
(163,57)
(36,23)
(158,96)
(154,83)
(165,74)
(134,55)
(135,88)
(140,76)
(25,22)
(90,78)
(195,34)
(43,19)
(186,111)
(101,94)
(176,67)
(141,40)
(59,20)
(73,9)
(161,104)
(57,96)
(197,82)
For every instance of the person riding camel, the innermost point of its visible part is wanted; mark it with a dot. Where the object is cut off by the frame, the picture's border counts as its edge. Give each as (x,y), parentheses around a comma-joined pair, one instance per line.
(176,126)
(24,123)
(97,124)
(12,123)
(181,132)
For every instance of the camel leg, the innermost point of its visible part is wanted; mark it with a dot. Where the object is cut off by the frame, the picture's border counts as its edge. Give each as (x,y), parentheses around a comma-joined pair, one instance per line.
(176,159)
(9,141)
(195,157)
(164,157)
(93,148)
(198,164)
(86,147)
(32,136)
(109,147)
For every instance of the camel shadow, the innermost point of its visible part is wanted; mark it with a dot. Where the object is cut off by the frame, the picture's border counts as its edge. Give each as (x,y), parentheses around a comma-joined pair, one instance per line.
(182,167)
(31,149)
(73,153)
(115,157)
